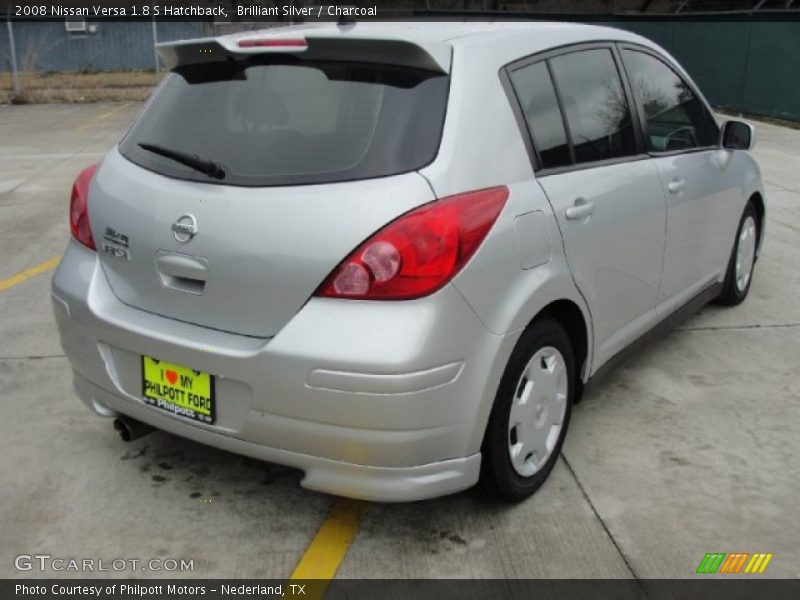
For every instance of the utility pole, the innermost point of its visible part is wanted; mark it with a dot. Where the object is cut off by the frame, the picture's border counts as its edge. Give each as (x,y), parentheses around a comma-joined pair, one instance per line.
(14,70)
(155,41)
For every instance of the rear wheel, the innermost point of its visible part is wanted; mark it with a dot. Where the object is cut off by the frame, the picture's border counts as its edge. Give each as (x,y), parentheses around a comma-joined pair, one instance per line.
(742,262)
(531,412)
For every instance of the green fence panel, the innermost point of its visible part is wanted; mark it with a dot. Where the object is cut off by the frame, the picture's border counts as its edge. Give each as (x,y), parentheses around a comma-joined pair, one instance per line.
(715,54)
(773,71)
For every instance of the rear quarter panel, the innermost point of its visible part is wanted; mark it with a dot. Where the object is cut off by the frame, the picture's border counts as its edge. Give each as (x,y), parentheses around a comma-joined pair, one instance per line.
(520,268)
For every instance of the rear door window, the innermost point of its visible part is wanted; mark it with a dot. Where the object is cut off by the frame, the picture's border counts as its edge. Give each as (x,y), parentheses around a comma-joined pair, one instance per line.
(539,104)
(274,121)
(594,102)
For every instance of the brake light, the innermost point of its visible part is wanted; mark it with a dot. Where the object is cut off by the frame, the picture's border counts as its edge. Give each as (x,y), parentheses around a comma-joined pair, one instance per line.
(79,209)
(273,43)
(419,252)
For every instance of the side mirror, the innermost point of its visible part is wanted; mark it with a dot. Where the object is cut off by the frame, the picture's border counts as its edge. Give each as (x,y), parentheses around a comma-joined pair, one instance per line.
(737,135)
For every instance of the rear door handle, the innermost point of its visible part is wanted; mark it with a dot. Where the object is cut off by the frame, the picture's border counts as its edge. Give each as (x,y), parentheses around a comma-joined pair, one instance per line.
(582,208)
(676,186)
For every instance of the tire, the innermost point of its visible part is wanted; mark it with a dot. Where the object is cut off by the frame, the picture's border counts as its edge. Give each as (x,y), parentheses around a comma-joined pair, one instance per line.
(738,278)
(543,356)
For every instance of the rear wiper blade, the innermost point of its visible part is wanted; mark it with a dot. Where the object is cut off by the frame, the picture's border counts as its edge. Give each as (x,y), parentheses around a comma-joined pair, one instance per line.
(209,167)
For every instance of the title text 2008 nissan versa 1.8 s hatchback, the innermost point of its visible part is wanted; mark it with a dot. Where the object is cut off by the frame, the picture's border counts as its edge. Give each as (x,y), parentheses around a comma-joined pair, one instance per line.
(391,255)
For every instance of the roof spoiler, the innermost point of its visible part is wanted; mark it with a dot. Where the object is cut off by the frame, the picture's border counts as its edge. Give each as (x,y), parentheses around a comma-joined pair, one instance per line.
(429,56)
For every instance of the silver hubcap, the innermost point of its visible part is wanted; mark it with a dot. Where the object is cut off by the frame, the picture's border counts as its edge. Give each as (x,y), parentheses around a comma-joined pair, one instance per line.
(537,412)
(745,253)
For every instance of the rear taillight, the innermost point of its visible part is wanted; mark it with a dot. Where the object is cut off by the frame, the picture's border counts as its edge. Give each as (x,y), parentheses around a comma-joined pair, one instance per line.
(79,209)
(419,252)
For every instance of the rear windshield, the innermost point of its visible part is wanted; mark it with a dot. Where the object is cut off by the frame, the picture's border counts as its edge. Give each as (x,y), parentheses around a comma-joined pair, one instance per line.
(278,121)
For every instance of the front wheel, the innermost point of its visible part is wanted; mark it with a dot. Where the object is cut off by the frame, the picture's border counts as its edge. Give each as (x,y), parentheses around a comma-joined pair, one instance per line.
(742,262)
(531,412)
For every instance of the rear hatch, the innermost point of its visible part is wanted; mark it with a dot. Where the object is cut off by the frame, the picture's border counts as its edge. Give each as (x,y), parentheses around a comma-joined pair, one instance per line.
(316,156)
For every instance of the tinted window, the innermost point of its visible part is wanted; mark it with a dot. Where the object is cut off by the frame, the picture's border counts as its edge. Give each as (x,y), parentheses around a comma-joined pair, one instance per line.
(273,121)
(539,104)
(594,102)
(676,118)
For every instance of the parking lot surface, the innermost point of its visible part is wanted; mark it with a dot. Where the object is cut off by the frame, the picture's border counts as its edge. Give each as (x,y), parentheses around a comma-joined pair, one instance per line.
(687,449)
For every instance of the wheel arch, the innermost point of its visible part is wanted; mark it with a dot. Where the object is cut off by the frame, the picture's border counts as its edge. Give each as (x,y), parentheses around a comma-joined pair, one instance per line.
(572,315)
(569,315)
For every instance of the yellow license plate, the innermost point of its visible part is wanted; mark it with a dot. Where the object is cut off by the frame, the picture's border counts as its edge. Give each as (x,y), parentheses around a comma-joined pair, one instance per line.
(178,389)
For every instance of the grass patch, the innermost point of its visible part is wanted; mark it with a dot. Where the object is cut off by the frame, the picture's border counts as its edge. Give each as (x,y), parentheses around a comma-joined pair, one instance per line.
(102,86)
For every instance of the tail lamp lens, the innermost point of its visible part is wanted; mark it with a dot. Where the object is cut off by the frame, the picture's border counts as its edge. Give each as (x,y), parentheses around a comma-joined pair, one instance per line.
(419,252)
(79,209)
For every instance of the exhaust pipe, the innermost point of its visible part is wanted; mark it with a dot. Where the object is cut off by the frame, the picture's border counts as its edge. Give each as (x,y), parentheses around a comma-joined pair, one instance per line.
(129,429)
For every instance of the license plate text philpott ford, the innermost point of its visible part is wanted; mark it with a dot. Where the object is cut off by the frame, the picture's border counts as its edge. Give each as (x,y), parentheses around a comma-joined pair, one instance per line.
(178,389)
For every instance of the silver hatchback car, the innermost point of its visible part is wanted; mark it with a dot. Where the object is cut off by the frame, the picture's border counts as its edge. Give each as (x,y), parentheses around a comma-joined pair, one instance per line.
(392,255)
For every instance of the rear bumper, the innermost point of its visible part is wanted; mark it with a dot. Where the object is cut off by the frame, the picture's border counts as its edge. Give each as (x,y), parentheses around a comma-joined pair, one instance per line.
(382,484)
(382,401)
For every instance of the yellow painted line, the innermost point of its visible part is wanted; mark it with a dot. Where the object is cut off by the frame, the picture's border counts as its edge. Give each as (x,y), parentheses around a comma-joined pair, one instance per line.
(28,273)
(100,117)
(326,551)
